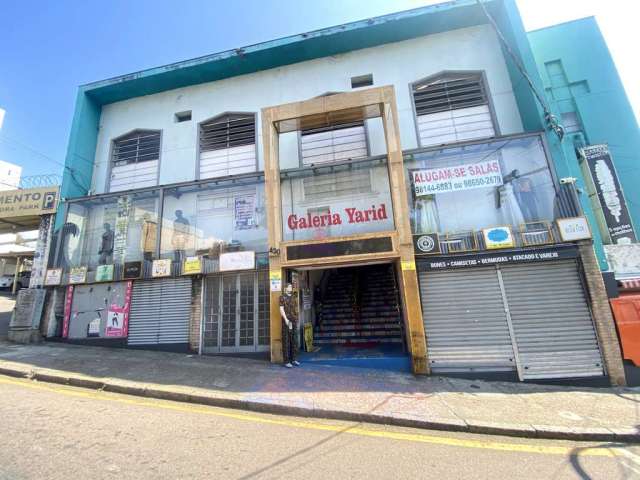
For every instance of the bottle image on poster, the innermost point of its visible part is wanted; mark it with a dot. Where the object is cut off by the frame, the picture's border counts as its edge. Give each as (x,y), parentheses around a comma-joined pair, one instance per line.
(608,189)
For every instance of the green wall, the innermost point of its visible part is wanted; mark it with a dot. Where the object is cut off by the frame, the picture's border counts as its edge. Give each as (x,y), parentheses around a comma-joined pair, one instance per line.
(579,75)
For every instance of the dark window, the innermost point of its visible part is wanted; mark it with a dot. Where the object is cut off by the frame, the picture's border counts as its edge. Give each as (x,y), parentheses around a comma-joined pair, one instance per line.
(449,92)
(136,147)
(183,116)
(362,81)
(227,131)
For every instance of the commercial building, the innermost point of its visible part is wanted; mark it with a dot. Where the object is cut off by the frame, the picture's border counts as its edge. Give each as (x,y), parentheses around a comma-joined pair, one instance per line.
(602,152)
(398,171)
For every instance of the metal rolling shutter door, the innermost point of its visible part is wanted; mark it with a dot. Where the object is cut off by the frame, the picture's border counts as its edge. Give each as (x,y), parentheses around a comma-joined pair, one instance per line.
(160,312)
(465,321)
(552,324)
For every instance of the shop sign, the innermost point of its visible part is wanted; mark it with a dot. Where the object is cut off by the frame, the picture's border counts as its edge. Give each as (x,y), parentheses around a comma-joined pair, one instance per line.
(41,253)
(93,330)
(132,270)
(486,259)
(161,268)
(118,316)
(498,237)
(28,202)
(456,178)
(192,265)
(53,277)
(244,212)
(275,280)
(426,244)
(609,192)
(122,227)
(408,265)
(351,215)
(237,261)
(68,299)
(104,273)
(78,275)
(574,228)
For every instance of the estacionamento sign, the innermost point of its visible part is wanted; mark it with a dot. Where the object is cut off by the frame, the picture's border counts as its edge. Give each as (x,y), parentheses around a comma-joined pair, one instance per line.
(28,202)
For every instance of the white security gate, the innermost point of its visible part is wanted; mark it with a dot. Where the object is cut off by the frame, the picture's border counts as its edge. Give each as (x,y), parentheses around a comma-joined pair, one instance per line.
(552,323)
(531,317)
(160,312)
(465,321)
(236,313)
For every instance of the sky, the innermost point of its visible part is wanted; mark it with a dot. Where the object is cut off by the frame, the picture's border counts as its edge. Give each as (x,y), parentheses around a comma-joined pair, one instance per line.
(49,48)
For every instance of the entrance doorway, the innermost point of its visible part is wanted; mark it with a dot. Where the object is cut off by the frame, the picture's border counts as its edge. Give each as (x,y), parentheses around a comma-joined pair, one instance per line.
(236,313)
(354,314)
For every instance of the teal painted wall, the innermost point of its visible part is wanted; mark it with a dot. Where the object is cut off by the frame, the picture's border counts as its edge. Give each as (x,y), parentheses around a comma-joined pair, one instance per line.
(579,75)
(81,150)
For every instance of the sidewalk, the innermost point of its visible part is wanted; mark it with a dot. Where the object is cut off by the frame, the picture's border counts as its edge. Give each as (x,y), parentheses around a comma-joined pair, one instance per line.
(354,394)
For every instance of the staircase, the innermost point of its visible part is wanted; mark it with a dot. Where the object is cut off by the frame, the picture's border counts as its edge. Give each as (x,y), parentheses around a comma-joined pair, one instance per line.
(360,307)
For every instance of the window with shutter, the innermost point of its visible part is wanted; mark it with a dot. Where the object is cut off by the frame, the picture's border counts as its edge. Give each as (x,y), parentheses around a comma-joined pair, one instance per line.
(335,185)
(452,107)
(135,160)
(333,143)
(227,145)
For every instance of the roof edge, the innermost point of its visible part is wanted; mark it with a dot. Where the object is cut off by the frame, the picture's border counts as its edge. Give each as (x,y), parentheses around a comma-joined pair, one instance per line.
(288,40)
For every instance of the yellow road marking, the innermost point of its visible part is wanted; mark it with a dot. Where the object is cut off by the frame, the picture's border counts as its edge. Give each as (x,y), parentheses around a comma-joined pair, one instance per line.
(365,432)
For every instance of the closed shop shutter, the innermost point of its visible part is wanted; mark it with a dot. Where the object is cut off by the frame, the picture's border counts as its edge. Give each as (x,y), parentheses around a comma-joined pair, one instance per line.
(552,324)
(465,321)
(160,312)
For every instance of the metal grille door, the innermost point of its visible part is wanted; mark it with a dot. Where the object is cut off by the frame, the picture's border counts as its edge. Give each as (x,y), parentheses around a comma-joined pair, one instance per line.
(236,313)
(552,324)
(229,313)
(160,312)
(465,321)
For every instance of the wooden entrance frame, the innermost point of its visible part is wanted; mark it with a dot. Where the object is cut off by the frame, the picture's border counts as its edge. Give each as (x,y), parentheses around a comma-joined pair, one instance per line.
(351,106)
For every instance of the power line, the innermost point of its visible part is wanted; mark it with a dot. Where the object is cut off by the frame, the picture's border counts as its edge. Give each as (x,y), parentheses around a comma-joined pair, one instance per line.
(549,117)
(65,167)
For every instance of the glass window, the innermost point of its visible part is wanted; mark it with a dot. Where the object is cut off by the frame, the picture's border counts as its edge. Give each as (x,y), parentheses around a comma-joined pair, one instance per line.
(478,186)
(452,107)
(334,201)
(209,219)
(333,143)
(111,230)
(135,161)
(227,145)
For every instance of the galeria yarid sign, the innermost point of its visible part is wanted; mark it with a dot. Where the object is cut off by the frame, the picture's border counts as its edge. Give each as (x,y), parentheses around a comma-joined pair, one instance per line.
(351,215)
(453,179)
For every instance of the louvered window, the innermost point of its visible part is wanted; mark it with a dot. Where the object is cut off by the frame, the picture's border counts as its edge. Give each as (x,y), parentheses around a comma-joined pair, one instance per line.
(135,161)
(227,145)
(452,108)
(333,143)
(334,185)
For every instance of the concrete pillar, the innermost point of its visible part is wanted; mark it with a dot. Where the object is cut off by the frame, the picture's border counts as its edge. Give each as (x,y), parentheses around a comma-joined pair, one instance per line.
(602,315)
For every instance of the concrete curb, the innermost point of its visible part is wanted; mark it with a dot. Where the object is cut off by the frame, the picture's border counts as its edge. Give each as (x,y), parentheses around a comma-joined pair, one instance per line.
(160,392)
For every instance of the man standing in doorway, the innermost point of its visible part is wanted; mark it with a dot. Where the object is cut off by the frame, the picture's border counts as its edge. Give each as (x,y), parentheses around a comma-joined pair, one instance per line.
(289,317)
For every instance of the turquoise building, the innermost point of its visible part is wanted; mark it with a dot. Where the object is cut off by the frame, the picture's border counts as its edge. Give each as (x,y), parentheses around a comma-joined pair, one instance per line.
(584,91)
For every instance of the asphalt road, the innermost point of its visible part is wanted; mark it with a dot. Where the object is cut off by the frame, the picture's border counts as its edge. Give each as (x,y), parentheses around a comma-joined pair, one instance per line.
(56,432)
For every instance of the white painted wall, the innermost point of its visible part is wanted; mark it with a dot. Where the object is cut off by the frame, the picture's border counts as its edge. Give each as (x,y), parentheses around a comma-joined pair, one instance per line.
(10,174)
(397,64)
